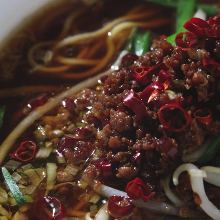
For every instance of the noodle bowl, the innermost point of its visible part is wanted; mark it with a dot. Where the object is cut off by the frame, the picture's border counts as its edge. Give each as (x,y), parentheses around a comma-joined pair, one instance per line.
(98,122)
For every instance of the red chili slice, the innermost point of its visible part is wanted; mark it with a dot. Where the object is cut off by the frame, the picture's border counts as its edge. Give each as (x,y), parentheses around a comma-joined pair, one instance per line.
(173,117)
(186,40)
(66,142)
(137,189)
(104,166)
(149,91)
(119,206)
(47,208)
(25,152)
(198,26)
(204,116)
(201,28)
(143,74)
(133,102)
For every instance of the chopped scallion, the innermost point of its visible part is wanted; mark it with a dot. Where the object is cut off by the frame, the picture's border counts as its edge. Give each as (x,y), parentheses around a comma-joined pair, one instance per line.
(13,187)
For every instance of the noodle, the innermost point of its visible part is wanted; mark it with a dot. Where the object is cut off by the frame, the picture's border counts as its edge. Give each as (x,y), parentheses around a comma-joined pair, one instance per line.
(32,51)
(110,51)
(149,24)
(76,61)
(90,35)
(52,69)
(169,193)
(67,25)
(101,64)
(63,66)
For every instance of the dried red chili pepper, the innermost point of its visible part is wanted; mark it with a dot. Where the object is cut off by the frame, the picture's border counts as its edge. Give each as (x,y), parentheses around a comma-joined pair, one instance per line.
(186,40)
(143,74)
(47,208)
(25,152)
(105,167)
(66,142)
(197,26)
(119,206)
(137,189)
(133,102)
(173,117)
(201,28)
(204,116)
(149,91)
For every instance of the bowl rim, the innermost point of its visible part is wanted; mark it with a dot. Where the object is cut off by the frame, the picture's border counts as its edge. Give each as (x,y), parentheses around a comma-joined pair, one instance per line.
(15,20)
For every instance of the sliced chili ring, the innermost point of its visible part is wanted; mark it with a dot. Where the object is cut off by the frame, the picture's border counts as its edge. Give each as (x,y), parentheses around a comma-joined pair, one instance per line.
(173,117)
(197,26)
(186,39)
(119,206)
(25,152)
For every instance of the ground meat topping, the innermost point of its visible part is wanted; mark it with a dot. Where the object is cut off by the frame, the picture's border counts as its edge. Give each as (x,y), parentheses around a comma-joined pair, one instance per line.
(120,121)
(100,120)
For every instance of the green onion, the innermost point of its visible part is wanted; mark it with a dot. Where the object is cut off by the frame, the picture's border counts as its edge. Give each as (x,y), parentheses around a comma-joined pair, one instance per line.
(51,175)
(140,42)
(13,187)
(210,10)
(2,113)
(185,11)
(212,150)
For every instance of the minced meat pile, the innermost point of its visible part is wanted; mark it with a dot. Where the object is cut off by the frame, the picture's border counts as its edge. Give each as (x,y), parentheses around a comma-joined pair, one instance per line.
(142,119)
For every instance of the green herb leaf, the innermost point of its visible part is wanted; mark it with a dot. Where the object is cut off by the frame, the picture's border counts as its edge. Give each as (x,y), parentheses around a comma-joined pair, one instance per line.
(209,9)
(140,42)
(185,11)
(13,187)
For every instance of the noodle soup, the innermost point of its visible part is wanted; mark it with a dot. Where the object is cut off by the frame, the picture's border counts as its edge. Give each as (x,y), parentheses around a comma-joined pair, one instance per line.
(109,113)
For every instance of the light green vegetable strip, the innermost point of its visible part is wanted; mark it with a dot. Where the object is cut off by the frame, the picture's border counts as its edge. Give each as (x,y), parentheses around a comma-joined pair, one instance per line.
(140,42)
(185,11)
(13,187)
(209,9)
(2,113)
